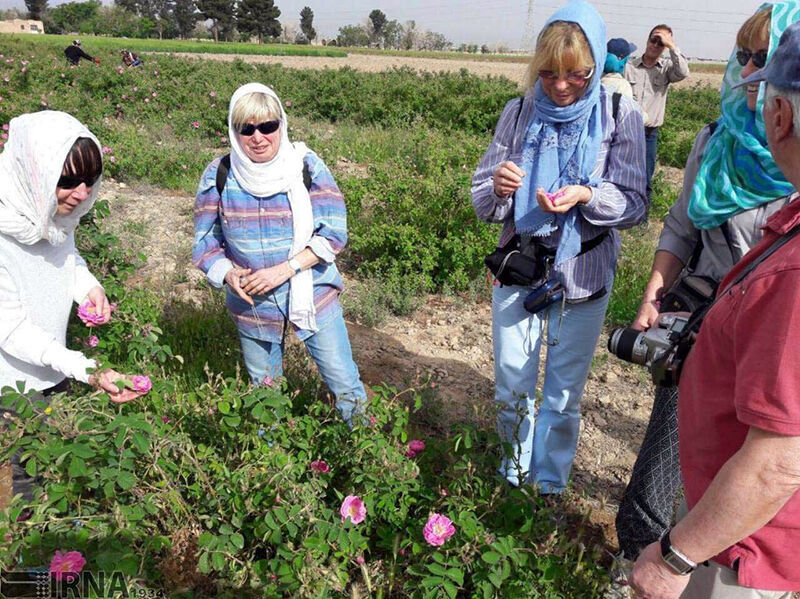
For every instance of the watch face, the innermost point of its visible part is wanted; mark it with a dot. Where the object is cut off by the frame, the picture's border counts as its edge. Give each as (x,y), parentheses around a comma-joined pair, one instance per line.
(677,564)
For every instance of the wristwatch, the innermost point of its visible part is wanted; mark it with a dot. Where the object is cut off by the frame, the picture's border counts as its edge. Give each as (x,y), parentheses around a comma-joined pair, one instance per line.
(295,266)
(678,563)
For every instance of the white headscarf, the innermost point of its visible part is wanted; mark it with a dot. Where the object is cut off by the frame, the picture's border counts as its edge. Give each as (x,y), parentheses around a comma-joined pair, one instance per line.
(30,166)
(282,174)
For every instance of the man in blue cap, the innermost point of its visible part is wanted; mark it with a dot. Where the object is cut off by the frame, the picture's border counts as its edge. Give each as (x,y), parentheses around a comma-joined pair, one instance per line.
(739,409)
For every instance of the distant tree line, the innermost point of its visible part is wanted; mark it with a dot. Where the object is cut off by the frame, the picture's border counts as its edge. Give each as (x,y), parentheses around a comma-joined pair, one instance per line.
(223,20)
(377,31)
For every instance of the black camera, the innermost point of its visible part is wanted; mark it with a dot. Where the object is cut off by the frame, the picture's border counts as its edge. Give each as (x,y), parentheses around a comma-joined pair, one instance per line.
(661,349)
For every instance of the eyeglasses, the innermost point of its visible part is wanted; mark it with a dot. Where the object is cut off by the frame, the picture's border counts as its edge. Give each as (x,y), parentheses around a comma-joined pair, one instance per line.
(572,77)
(656,41)
(264,128)
(759,58)
(71,182)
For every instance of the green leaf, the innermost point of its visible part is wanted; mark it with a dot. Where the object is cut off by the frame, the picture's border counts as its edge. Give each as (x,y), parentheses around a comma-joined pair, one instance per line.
(77,467)
(491,557)
(456,575)
(126,480)
(437,569)
(218,560)
(30,467)
(449,589)
(237,540)
(224,407)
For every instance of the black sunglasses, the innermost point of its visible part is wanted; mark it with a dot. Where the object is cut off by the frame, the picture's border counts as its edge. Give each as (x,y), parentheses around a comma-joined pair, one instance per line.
(759,58)
(264,128)
(71,182)
(655,40)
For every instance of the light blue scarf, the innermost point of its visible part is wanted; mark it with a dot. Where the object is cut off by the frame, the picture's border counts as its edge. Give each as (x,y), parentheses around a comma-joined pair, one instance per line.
(738,172)
(561,143)
(615,64)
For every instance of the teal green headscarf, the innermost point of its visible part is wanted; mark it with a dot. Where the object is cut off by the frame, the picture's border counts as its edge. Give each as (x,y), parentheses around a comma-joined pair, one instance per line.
(737,172)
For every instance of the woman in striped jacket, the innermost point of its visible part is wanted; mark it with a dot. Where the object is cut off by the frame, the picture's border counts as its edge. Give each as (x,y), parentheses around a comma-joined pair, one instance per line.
(270,232)
(564,170)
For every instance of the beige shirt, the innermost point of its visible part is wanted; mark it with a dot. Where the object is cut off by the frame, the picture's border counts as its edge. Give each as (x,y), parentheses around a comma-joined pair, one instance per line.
(650,83)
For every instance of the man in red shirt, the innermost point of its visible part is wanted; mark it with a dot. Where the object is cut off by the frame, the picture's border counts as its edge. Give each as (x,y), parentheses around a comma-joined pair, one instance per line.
(739,406)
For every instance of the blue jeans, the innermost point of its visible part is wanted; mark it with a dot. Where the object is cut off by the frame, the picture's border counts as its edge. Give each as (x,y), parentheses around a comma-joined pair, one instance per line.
(651,152)
(542,445)
(330,349)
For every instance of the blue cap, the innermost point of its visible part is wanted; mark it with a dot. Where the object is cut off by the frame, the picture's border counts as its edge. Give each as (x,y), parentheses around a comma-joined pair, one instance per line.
(783,68)
(620,47)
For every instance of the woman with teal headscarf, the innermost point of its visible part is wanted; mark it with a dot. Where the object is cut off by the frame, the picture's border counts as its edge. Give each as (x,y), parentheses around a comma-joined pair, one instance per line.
(562,173)
(730,186)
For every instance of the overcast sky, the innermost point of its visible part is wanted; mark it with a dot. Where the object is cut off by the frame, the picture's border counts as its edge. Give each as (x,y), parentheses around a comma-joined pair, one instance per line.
(703,29)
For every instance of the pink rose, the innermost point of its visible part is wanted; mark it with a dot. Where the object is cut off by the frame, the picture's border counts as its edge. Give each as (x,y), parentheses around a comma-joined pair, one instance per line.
(414,447)
(88,314)
(5,127)
(92,341)
(212,94)
(353,508)
(438,529)
(360,560)
(288,103)
(196,124)
(71,562)
(141,383)
(107,150)
(155,94)
(320,467)
(268,381)
(112,159)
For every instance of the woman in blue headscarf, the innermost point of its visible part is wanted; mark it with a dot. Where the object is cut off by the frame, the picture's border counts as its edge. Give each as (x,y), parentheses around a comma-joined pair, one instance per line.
(730,186)
(564,170)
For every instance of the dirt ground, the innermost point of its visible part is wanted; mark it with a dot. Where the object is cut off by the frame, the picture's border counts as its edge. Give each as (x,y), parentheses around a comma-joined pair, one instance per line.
(447,340)
(377,63)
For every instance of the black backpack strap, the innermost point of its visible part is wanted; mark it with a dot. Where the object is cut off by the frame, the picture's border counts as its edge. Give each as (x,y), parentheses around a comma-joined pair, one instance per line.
(225,166)
(615,98)
(222,173)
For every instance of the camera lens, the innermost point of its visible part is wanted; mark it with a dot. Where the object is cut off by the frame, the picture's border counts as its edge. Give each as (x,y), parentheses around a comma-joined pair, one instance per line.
(622,341)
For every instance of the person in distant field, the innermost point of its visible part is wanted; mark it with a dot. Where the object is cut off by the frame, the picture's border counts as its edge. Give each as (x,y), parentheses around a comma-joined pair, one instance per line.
(650,76)
(131,59)
(618,51)
(739,408)
(74,53)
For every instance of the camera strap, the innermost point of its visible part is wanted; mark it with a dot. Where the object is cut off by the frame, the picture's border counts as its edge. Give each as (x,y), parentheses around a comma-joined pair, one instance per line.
(697,317)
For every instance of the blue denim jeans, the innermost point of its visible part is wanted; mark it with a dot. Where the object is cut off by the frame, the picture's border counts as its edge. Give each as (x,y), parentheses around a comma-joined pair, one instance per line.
(542,445)
(651,153)
(330,349)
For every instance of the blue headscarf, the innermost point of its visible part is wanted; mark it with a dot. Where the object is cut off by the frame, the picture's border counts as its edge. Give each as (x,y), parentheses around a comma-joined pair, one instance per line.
(738,172)
(615,64)
(562,142)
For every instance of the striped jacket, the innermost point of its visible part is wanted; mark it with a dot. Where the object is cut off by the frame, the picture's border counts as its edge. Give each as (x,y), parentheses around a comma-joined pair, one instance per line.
(619,201)
(255,232)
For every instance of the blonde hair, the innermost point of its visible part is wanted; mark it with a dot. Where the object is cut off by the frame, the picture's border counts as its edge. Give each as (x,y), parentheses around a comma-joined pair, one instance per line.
(562,47)
(256,107)
(755,30)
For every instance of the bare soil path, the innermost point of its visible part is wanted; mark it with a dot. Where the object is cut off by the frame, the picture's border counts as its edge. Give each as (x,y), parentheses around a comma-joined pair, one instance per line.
(376,63)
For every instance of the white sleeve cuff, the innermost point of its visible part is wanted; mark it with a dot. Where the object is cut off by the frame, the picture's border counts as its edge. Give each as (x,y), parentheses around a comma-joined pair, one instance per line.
(216,274)
(322,248)
(72,363)
(84,280)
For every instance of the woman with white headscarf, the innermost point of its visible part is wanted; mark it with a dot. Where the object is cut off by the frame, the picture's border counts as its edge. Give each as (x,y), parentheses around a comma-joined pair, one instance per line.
(269,222)
(49,171)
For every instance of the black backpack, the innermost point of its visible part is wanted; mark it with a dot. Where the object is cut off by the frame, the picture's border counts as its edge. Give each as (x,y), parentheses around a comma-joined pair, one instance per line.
(225,166)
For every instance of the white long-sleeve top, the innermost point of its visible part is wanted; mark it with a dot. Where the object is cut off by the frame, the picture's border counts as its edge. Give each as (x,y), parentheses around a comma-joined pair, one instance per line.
(38,285)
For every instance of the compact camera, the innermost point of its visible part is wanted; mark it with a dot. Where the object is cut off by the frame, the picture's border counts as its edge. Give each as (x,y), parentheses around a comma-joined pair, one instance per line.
(661,349)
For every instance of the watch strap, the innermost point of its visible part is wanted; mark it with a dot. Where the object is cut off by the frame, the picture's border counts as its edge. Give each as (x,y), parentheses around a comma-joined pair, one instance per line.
(677,561)
(295,266)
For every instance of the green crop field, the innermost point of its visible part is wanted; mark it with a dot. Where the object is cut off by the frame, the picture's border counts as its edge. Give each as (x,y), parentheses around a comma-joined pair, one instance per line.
(205,487)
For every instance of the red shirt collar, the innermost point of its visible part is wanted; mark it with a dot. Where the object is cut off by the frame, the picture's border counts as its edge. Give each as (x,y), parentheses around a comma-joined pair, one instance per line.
(785,218)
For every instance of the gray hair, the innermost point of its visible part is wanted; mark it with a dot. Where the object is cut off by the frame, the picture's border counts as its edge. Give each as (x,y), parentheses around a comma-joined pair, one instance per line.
(792,96)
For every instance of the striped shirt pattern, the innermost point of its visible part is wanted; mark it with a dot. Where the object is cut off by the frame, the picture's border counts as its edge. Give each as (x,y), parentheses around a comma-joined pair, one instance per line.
(256,232)
(618,202)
